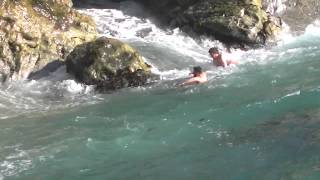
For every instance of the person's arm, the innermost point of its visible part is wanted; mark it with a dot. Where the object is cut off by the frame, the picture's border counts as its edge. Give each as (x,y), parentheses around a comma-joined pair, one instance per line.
(224,62)
(232,62)
(194,80)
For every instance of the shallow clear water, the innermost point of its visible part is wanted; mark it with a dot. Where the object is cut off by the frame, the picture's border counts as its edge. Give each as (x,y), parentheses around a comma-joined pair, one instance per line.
(259,120)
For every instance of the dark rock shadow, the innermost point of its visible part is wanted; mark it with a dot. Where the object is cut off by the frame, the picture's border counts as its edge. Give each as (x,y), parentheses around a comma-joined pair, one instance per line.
(97,4)
(46,70)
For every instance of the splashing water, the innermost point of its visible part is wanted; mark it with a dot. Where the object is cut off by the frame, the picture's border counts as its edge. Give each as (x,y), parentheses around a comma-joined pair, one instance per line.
(259,120)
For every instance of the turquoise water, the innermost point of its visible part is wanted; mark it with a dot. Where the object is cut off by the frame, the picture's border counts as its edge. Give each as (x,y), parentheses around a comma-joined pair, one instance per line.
(259,120)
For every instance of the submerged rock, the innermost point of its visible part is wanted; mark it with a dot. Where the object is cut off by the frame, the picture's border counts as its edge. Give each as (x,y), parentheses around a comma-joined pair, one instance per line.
(34,33)
(108,63)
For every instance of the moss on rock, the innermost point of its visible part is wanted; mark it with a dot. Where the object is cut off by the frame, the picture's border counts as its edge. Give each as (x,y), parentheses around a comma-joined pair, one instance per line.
(36,32)
(108,63)
(231,21)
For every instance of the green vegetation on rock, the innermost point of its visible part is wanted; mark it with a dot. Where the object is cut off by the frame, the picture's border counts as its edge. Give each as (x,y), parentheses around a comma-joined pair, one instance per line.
(108,63)
(37,32)
(230,21)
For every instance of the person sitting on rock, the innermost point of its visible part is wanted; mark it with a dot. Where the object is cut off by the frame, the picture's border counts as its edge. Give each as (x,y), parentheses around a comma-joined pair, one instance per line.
(198,77)
(219,59)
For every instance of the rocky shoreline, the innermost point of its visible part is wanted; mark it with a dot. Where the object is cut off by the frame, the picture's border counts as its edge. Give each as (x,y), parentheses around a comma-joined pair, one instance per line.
(235,22)
(36,33)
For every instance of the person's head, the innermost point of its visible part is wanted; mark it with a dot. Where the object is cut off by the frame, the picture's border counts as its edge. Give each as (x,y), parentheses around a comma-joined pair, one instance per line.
(214,52)
(197,70)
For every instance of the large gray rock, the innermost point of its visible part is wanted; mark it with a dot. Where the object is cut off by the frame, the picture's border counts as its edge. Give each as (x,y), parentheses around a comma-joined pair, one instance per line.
(109,64)
(231,21)
(299,14)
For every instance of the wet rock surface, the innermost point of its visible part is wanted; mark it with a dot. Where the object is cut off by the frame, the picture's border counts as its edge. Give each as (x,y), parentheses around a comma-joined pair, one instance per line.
(298,14)
(34,33)
(109,64)
(243,22)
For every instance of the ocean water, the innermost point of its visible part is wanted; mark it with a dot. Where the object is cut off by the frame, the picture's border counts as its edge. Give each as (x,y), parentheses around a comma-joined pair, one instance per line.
(257,120)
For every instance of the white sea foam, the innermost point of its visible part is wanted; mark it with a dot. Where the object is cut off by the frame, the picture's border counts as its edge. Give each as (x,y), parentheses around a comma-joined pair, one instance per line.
(313,29)
(114,23)
(130,28)
(292,94)
(171,52)
(183,50)
(10,168)
(288,47)
(17,162)
(18,98)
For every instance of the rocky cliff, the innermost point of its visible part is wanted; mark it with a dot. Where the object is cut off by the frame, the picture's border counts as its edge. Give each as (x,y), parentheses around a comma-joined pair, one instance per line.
(298,14)
(36,32)
(230,21)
